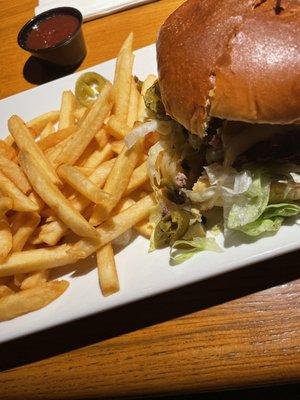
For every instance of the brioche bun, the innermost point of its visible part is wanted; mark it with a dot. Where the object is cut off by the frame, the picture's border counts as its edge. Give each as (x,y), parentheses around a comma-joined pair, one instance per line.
(232,59)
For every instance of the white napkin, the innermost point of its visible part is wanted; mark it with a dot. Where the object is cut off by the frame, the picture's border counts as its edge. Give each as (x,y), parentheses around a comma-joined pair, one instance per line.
(90,9)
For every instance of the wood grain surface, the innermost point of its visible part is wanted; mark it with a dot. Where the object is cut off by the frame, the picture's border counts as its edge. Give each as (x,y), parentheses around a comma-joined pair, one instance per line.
(237,330)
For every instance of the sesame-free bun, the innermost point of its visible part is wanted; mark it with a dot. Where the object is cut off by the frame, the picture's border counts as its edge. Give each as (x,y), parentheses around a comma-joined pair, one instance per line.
(233,59)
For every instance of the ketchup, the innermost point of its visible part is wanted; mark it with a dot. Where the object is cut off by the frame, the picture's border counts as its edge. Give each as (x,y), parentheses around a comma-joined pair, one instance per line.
(51,31)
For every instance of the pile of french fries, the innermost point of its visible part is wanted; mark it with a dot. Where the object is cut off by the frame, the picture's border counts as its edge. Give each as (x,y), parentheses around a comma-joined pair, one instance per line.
(69,187)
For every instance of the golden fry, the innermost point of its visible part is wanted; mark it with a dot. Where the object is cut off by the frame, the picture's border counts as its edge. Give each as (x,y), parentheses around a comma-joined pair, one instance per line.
(35,279)
(25,142)
(144,228)
(124,203)
(99,156)
(48,130)
(35,198)
(14,173)
(67,108)
(20,201)
(107,272)
(117,128)
(38,260)
(80,112)
(115,226)
(29,300)
(117,146)
(52,257)
(117,182)
(122,79)
(133,105)
(6,203)
(53,197)
(51,233)
(82,184)
(93,121)
(7,151)
(102,138)
(5,239)
(138,178)
(56,137)
(5,291)
(39,123)
(22,228)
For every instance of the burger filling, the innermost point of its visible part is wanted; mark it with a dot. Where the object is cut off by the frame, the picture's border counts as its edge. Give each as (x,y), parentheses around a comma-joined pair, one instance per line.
(249,172)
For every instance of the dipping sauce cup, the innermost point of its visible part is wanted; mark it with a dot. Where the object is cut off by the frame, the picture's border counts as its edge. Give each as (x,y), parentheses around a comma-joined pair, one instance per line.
(55,36)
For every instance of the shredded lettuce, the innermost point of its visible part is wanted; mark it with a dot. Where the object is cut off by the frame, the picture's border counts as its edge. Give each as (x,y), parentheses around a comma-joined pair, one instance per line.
(271,219)
(248,206)
(182,250)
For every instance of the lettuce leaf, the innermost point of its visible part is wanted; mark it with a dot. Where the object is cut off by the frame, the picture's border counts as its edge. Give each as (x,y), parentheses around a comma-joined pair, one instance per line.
(182,250)
(271,219)
(248,206)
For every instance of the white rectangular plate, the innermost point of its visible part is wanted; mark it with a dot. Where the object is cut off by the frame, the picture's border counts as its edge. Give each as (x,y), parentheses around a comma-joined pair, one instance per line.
(141,274)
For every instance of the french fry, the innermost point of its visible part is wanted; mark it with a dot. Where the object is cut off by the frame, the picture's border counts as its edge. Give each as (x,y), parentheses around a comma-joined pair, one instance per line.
(67,108)
(25,301)
(53,152)
(39,123)
(25,142)
(34,279)
(53,197)
(149,81)
(13,172)
(114,227)
(122,79)
(138,178)
(7,151)
(117,182)
(117,146)
(5,239)
(48,130)
(39,259)
(87,171)
(82,184)
(117,128)
(80,112)
(133,105)
(6,203)
(144,228)
(88,152)
(90,126)
(102,138)
(124,203)
(56,137)
(53,257)
(20,201)
(99,156)
(35,198)
(5,291)
(51,233)
(22,228)
(65,177)
(107,272)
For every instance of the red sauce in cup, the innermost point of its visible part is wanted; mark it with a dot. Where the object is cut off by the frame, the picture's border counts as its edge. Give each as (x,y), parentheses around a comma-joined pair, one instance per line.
(51,31)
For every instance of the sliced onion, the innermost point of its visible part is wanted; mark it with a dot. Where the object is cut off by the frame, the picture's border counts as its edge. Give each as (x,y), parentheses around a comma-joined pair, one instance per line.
(139,132)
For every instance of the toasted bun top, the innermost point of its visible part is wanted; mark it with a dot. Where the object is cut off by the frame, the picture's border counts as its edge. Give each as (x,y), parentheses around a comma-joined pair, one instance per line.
(232,59)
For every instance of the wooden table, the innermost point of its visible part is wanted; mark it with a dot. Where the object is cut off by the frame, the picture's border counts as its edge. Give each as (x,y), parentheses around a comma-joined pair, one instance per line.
(239,329)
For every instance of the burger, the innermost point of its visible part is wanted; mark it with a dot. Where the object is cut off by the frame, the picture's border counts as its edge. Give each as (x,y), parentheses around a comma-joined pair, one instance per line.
(227,103)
